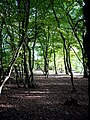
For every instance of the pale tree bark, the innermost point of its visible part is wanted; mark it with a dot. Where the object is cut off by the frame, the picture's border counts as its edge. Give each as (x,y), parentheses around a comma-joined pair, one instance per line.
(22,41)
(9,70)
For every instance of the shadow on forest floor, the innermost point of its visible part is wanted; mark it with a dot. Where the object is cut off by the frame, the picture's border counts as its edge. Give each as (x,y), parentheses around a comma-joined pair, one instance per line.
(51,100)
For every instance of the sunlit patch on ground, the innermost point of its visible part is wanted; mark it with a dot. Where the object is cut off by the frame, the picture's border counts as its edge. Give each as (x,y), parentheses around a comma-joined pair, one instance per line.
(6,106)
(47,100)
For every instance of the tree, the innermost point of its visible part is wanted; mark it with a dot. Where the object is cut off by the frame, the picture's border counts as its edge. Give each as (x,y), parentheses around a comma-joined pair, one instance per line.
(23,38)
(49,29)
(86,41)
(67,51)
(1,64)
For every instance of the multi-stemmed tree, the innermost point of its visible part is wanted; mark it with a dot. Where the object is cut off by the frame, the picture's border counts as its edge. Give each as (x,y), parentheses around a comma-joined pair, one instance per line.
(42,27)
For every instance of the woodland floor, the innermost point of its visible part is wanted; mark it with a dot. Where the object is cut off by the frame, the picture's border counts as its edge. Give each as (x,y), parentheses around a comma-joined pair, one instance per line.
(47,101)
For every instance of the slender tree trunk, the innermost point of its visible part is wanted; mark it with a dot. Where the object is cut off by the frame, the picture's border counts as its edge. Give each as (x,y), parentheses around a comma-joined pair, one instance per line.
(17,76)
(46,61)
(22,73)
(31,63)
(45,66)
(65,57)
(82,47)
(84,63)
(70,70)
(64,43)
(1,66)
(31,59)
(1,58)
(25,21)
(32,85)
(26,9)
(26,68)
(55,63)
(9,70)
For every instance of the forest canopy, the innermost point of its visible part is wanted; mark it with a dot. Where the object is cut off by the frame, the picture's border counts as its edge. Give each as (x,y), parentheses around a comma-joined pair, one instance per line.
(45,36)
(41,35)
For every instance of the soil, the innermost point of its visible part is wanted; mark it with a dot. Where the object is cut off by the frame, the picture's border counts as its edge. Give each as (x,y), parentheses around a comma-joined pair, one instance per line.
(52,99)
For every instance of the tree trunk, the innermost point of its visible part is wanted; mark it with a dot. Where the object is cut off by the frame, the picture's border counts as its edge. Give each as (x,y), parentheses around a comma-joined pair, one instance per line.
(1,66)
(17,76)
(55,63)
(65,58)
(45,67)
(26,68)
(70,70)
(25,22)
(9,70)
(86,42)
(82,47)
(64,43)
(85,65)
(32,85)
(22,73)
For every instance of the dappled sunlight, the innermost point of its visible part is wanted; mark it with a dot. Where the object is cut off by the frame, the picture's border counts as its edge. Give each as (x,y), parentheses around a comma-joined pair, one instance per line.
(52,103)
(60,84)
(55,84)
(7,106)
(38,75)
(36,92)
(27,96)
(59,76)
(33,97)
(39,92)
